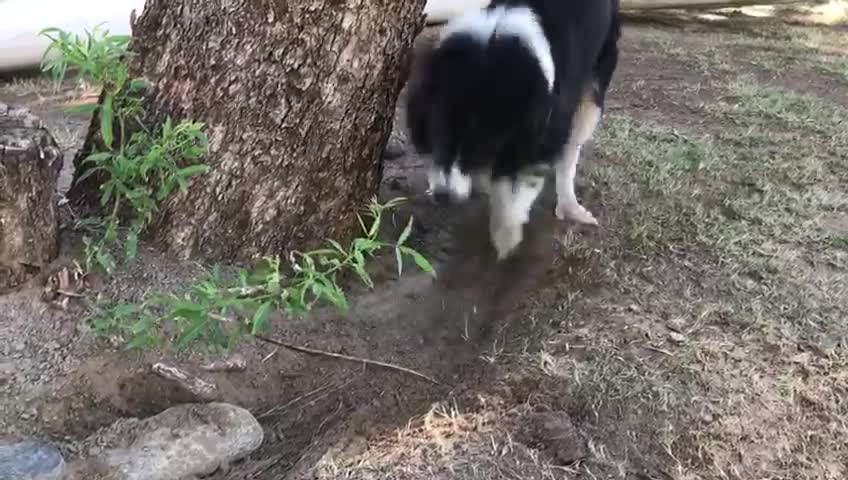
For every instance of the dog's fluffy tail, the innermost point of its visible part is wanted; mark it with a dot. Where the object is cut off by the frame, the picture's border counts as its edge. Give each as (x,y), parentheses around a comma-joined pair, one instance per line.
(471,94)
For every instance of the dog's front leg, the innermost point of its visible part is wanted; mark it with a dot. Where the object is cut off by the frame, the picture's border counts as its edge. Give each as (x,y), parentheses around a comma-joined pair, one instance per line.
(510,204)
(505,229)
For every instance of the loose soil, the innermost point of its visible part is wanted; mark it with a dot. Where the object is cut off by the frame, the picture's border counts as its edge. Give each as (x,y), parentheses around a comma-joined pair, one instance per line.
(699,334)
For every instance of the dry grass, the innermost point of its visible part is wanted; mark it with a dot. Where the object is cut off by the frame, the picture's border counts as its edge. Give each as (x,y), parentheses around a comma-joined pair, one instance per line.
(773,47)
(726,241)
(28,86)
(443,443)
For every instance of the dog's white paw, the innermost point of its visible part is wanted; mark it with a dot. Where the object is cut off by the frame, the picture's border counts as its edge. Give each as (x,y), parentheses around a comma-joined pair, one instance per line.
(575,212)
(506,239)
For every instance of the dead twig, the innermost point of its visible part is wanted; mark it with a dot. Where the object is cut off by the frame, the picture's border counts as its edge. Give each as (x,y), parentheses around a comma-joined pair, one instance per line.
(297,399)
(70,294)
(191,383)
(234,364)
(312,351)
(659,350)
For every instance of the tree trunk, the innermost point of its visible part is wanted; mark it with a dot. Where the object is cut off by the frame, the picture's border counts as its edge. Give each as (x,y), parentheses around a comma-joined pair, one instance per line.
(298,99)
(30,162)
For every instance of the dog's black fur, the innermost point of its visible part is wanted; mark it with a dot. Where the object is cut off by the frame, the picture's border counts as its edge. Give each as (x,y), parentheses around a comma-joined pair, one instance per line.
(489,106)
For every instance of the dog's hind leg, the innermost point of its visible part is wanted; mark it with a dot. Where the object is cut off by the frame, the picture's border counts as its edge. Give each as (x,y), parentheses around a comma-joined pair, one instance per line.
(585,121)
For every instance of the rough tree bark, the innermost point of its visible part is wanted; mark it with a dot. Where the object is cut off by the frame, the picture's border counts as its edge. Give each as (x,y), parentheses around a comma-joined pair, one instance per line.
(298,98)
(30,162)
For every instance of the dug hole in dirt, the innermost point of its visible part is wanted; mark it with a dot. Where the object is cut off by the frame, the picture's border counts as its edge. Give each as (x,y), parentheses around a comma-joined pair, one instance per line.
(64,384)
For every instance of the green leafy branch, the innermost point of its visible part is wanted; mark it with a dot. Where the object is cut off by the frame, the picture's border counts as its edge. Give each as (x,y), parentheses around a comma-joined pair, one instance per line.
(219,313)
(139,169)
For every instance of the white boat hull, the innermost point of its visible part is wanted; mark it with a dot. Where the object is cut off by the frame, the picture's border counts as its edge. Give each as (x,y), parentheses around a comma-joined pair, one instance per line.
(22,47)
(439,11)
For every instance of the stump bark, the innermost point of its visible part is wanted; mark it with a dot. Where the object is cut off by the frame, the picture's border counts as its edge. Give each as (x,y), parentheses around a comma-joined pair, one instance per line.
(30,162)
(298,99)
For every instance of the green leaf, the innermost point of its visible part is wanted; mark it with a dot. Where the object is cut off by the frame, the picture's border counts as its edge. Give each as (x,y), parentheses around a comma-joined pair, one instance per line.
(87,173)
(132,244)
(337,246)
(197,327)
(366,245)
(192,170)
(167,128)
(137,84)
(124,310)
(141,325)
(260,318)
(405,234)
(419,259)
(105,260)
(85,109)
(142,341)
(375,226)
(98,157)
(321,252)
(46,31)
(394,203)
(188,311)
(399,258)
(106,117)
(326,288)
(362,223)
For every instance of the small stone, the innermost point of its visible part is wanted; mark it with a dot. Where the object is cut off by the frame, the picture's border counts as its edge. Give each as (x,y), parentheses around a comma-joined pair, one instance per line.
(30,460)
(398,183)
(52,345)
(29,414)
(555,434)
(677,338)
(19,346)
(393,151)
(677,324)
(7,373)
(803,358)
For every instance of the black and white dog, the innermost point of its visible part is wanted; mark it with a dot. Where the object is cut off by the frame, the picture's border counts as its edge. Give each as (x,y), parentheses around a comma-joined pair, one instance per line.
(508,92)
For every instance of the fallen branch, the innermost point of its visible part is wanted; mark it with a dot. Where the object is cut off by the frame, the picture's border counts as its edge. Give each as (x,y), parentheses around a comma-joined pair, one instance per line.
(312,351)
(234,364)
(195,385)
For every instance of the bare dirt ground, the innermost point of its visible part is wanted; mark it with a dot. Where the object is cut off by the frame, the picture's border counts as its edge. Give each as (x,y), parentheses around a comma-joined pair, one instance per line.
(699,334)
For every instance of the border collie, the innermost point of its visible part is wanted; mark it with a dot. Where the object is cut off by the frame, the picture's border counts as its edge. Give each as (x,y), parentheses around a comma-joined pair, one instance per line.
(507,93)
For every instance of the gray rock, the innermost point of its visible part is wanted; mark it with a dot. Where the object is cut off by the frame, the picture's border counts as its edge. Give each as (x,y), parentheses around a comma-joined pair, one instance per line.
(30,460)
(7,373)
(393,151)
(183,441)
(554,433)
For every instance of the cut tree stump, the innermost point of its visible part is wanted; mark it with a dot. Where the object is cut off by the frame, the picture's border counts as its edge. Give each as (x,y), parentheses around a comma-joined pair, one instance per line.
(30,162)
